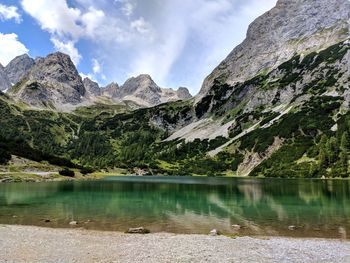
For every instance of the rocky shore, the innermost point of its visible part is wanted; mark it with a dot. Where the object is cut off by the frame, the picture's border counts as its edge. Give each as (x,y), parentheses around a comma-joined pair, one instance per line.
(35,244)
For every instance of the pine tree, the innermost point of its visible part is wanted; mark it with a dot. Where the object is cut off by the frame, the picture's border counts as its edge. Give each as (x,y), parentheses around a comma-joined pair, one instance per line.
(344,163)
(322,156)
(313,171)
(343,156)
(344,144)
(323,159)
(332,150)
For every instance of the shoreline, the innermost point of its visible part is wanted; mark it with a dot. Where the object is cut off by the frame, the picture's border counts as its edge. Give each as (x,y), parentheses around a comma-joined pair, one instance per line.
(39,244)
(39,177)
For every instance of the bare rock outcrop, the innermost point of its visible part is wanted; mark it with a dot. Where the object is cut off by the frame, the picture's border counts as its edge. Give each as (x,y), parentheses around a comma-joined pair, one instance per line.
(5,83)
(291,27)
(18,68)
(53,82)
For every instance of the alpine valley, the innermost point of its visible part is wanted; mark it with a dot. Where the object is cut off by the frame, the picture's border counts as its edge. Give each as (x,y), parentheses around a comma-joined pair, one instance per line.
(277,106)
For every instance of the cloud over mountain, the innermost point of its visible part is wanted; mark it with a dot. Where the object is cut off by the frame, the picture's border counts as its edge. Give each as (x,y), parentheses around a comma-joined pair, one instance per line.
(176,42)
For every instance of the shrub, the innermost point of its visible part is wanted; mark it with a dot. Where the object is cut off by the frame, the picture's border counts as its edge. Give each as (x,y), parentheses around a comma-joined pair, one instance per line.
(86,170)
(66,172)
(5,156)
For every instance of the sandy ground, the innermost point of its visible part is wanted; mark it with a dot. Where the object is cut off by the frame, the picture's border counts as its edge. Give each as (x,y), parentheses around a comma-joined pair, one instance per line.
(35,244)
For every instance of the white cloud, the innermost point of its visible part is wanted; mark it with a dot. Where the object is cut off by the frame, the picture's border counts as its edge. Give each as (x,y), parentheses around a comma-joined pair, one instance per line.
(10,47)
(128,6)
(97,72)
(201,18)
(177,42)
(90,76)
(66,25)
(9,12)
(91,21)
(55,16)
(96,67)
(158,60)
(67,48)
(142,26)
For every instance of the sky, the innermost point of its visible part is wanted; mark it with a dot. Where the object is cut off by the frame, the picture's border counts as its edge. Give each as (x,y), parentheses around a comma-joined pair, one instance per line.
(177,42)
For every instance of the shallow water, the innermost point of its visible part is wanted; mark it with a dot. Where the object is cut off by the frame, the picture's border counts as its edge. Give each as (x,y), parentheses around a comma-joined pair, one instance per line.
(316,208)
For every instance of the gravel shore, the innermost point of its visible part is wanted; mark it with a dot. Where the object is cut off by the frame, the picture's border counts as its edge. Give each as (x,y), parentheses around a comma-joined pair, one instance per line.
(35,244)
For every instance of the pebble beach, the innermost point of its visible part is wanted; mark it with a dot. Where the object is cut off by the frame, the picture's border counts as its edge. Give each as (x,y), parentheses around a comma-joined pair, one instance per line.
(36,244)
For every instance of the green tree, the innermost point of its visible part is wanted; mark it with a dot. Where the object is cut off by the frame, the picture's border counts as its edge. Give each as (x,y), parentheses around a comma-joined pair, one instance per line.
(344,144)
(332,150)
(322,156)
(313,171)
(344,164)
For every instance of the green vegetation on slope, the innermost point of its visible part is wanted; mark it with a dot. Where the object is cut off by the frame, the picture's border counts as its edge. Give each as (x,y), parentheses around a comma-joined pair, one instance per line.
(108,137)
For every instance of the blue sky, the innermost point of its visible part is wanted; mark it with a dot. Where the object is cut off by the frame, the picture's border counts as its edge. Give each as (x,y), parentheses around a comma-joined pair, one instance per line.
(177,42)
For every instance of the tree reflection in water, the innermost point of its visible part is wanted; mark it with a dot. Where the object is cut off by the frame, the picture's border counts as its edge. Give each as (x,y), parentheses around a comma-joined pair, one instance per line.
(317,208)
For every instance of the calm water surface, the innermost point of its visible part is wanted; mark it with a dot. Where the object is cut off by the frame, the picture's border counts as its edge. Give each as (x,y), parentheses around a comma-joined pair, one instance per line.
(184,205)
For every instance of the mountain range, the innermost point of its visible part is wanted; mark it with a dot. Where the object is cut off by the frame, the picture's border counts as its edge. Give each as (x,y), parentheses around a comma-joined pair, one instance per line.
(277,106)
(54,83)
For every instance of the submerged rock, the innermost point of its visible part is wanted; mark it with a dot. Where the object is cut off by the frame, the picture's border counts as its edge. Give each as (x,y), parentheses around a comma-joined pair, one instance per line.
(138,230)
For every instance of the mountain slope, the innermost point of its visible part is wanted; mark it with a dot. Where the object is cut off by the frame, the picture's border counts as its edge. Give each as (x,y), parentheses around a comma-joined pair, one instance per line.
(5,83)
(53,82)
(290,120)
(292,27)
(18,68)
(111,90)
(285,137)
(141,91)
(144,91)
(92,88)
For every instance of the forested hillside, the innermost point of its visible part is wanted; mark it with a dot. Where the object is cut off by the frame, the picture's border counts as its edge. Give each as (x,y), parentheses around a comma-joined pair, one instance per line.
(293,121)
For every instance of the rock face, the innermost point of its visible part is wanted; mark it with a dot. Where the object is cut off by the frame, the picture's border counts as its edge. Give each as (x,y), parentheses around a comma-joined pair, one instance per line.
(111,91)
(295,60)
(53,82)
(92,88)
(144,91)
(277,123)
(183,93)
(4,81)
(141,90)
(292,27)
(18,68)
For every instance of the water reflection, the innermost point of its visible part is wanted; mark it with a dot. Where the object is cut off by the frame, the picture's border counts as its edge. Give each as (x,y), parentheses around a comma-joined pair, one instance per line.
(260,207)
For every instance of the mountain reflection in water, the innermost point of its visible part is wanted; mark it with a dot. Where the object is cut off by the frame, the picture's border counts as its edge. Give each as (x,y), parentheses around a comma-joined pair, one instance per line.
(316,208)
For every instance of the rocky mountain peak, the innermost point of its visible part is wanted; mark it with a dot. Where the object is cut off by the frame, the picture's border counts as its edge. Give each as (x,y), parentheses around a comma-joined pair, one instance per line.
(292,27)
(184,93)
(140,83)
(4,81)
(92,88)
(57,68)
(19,67)
(145,92)
(284,3)
(112,90)
(52,82)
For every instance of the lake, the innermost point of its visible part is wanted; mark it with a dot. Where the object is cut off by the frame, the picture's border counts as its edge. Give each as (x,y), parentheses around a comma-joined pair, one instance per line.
(315,208)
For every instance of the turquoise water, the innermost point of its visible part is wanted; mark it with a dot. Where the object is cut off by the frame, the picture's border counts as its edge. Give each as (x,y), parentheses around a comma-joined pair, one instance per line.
(316,208)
